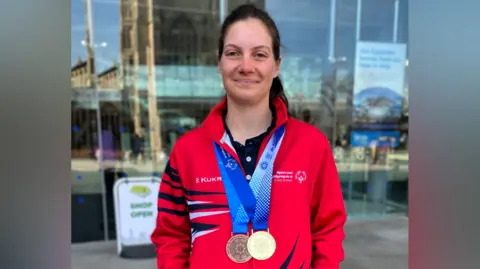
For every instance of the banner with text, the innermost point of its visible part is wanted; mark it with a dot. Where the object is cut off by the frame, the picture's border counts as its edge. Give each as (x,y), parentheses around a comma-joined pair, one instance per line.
(135,209)
(378,92)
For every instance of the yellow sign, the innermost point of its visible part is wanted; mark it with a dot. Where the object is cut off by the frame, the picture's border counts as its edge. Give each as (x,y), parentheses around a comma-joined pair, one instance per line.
(140,190)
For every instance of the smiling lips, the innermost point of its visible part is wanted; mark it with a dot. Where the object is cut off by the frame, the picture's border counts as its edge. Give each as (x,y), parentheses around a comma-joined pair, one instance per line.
(246,81)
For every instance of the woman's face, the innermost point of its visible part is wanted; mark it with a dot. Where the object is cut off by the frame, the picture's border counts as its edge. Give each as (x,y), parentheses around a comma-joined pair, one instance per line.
(247,64)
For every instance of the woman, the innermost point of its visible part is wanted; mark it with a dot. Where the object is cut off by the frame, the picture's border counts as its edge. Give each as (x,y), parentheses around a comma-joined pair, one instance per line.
(251,187)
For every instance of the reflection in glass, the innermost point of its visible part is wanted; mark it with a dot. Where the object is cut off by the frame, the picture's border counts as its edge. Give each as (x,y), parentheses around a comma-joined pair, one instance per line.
(144,73)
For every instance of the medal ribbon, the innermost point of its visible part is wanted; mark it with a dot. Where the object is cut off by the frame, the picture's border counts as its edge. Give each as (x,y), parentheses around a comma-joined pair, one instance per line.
(249,201)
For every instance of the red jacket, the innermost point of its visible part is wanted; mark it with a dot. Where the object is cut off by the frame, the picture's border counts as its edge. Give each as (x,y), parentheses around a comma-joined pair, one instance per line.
(307,213)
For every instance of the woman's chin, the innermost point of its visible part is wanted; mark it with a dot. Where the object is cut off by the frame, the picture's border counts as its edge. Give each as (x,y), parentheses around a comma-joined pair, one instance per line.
(246,96)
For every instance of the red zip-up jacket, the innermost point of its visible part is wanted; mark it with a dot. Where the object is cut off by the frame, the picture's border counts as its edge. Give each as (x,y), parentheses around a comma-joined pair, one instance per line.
(307,214)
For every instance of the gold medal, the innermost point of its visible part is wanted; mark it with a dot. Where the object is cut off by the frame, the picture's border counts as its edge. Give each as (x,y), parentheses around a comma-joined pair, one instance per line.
(261,245)
(237,248)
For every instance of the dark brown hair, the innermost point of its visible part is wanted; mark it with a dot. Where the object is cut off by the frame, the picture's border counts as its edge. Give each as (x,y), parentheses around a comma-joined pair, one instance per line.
(249,11)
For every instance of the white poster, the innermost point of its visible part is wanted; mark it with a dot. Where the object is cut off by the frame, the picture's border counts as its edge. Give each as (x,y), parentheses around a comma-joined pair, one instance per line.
(135,209)
(379,82)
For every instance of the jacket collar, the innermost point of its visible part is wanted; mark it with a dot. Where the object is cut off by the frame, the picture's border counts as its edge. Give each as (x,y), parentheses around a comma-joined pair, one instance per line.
(214,121)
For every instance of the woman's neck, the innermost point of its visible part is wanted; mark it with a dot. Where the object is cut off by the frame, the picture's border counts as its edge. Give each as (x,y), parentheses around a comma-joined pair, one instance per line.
(246,122)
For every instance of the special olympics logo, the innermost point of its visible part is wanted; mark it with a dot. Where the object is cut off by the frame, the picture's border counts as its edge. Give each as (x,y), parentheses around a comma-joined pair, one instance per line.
(301,176)
(231,164)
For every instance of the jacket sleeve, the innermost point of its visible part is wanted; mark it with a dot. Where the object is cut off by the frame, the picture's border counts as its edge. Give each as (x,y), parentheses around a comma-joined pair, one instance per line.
(172,235)
(328,215)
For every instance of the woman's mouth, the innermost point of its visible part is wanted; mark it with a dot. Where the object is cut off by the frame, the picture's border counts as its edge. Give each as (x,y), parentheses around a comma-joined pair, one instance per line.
(246,81)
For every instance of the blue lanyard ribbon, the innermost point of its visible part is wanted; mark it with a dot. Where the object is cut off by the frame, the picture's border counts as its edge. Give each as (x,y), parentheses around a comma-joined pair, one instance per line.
(249,201)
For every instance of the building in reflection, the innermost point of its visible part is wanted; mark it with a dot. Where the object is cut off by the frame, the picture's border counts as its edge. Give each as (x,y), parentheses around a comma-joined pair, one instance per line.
(81,74)
(85,106)
(184,37)
(185,31)
(184,34)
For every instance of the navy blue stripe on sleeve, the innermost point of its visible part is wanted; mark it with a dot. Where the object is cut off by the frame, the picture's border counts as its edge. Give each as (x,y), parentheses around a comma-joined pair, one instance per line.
(172,198)
(172,173)
(173,212)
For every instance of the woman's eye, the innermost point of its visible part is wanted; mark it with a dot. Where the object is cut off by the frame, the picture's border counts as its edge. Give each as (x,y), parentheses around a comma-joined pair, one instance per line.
(231,53)
(260,55)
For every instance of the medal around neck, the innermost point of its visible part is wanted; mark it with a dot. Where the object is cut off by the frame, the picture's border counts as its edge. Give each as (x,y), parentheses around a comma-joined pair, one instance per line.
(249,202)
(237,249)
(261,245)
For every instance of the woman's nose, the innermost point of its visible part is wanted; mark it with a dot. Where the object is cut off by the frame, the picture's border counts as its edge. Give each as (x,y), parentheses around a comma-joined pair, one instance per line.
(247,65)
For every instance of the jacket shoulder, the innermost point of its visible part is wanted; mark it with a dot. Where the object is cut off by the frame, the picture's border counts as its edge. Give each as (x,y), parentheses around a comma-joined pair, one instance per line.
(191,140)
(304,130)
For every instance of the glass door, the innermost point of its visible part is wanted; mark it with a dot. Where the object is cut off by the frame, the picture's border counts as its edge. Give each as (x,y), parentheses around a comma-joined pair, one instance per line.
(370,127)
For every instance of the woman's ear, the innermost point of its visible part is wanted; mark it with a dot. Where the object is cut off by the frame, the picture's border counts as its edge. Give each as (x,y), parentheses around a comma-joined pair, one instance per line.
(218,61)
(277,67)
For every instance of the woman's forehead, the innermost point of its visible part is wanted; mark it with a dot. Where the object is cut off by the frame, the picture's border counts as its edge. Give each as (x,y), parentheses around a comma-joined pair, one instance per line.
(249,33)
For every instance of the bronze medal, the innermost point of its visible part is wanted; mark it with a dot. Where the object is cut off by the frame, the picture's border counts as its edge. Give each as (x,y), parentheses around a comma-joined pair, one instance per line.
(237,249)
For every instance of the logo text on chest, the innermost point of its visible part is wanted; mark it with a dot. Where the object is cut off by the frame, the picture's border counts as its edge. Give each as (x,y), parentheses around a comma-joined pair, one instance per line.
(207,179)
(290,176)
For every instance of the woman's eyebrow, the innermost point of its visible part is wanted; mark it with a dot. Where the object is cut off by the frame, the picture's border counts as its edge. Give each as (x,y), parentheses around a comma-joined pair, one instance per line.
(254,48)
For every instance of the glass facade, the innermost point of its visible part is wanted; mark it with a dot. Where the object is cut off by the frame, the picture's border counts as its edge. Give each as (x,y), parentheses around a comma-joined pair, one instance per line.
(144,72)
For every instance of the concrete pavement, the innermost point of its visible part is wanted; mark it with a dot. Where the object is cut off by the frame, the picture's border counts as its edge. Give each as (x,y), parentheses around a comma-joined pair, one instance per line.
(370,244)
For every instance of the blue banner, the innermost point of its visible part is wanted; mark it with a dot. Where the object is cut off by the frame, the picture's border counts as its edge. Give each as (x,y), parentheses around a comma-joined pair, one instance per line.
(379,138)
(379,87)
